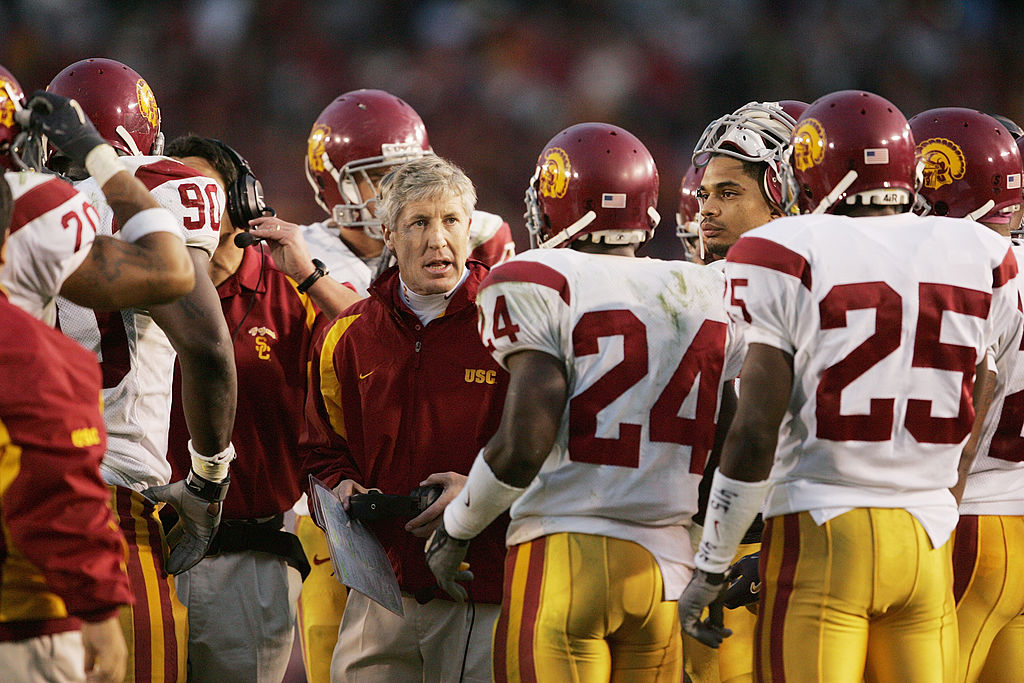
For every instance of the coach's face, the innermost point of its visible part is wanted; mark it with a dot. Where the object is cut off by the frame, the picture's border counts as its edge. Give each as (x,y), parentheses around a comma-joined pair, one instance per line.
(430,241)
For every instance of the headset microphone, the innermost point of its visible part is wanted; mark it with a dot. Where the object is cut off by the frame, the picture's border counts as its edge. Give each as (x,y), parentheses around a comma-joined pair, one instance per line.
(247,239)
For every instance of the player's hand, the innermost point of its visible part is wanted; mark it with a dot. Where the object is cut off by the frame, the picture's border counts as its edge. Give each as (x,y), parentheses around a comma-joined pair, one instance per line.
(445,557)
(106,654)
(744,582)
(426,522)
(62,121)
(198,519)
(703,591)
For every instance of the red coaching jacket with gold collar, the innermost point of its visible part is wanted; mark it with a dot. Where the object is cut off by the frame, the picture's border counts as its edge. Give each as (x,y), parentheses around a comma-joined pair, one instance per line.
(393,400)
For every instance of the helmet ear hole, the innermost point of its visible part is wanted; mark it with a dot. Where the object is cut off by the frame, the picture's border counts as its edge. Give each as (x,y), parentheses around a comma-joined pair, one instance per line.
(940,209)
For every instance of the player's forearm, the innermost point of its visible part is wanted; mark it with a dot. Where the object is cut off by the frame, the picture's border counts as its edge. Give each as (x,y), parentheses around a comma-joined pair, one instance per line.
(195,326)
(532,414)
(208,392)
(155,269)
(984,390)
(127,196)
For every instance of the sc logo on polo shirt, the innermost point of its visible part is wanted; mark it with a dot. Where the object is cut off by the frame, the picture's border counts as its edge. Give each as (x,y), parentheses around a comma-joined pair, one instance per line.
(262,343)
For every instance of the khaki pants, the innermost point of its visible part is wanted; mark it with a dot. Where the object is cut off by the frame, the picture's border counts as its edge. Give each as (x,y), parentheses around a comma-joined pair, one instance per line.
(427,645)
(56,658)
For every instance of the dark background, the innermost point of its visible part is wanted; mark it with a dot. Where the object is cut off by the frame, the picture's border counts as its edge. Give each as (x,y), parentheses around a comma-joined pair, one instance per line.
(495,80)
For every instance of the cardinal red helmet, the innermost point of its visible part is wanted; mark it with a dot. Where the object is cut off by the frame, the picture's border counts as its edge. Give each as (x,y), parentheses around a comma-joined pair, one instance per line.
(360,131)
(757,132)
(847,147)
(688,216)
(592,178)
(11,99)
(972,167)
(117,100)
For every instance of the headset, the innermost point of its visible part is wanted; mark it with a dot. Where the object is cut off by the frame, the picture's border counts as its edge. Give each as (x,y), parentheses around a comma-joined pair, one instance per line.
(245,196)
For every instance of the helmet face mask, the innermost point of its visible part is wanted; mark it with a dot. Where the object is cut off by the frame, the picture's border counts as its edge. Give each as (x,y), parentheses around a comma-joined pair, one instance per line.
(757,132)
(353,143)
(592,181)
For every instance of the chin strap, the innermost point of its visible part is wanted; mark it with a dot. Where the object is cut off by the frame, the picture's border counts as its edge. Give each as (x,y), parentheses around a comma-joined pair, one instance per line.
(837,191)
(978,213)
(570,232)
(122,133)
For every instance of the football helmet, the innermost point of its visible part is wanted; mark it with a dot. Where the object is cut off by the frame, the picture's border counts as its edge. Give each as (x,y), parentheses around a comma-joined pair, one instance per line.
(12,98)
(595,180)
(757,132)
(688,216)
(972,167)
(118,101)
(360,131)
(849,147)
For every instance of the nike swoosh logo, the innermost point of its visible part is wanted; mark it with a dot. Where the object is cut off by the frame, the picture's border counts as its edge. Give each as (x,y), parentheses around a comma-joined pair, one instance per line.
(467,498)
(362,376)
(755,588)
(317,560)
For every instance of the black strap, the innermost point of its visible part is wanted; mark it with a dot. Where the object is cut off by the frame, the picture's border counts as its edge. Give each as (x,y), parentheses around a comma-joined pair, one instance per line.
(236,535)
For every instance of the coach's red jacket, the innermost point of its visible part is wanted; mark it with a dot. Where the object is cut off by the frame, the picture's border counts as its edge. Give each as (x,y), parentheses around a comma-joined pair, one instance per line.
(62,557)
(392,400)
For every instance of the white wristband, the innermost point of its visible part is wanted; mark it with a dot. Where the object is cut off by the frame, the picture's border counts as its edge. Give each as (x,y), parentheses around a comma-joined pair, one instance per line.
(732,507)
(149,221)
(103,164)
(212,467)
(481,500)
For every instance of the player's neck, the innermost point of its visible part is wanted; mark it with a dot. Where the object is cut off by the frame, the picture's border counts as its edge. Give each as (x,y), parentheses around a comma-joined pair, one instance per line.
(361,244)
(589,247)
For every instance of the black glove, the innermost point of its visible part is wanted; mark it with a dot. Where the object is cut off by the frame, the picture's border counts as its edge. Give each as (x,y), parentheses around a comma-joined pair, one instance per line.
(445,557)
(744,582)
(62,121)
(704,590)
(198,504)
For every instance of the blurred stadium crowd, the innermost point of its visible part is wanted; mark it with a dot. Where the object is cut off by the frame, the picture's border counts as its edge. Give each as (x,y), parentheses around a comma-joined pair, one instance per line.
(494,79)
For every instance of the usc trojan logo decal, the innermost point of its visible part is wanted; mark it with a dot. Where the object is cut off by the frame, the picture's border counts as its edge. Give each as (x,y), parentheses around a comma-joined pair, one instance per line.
(147,103)
(554,173)
(6,103)
(944,162)
(808,144)
(316,147)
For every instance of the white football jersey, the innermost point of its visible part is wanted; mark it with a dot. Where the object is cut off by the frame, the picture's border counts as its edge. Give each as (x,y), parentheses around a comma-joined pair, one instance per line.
(342,263)
(135,355)
(646,346)
(51,231)
(886,318)
(995,485)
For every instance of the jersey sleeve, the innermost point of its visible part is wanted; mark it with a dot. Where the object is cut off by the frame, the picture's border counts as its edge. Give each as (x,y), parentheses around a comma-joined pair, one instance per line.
(323,441)
(196,201)
(52,229)
(765,283)
(522,305)
(490,239)
(1004,324)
